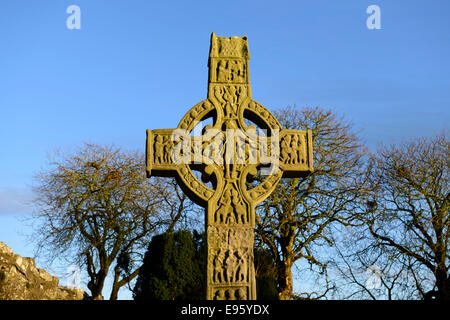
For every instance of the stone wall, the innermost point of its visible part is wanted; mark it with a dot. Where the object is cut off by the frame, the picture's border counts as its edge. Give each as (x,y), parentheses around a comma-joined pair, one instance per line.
(20,279)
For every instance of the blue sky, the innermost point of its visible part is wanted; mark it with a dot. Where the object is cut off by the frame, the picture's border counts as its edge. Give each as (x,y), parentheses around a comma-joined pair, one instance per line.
(135,65)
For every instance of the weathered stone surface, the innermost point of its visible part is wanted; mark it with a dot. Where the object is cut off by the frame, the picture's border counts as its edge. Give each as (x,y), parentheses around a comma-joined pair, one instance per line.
(21,280)
(228,154)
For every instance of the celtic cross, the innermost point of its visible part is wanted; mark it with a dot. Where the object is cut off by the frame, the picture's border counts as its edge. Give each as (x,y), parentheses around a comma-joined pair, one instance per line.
(239,159)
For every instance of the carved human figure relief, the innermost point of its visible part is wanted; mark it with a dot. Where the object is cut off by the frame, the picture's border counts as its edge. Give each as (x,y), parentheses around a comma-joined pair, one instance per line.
(239,207)
(167,148)
(242,268)
(285,152)
(294,149)
(220,295)
(159,149)
(218,267)
(240,294)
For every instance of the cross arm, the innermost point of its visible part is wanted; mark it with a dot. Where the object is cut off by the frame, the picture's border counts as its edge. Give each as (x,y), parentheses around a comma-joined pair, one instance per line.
(158,152)
(296,153)
(168,149)
(163,149)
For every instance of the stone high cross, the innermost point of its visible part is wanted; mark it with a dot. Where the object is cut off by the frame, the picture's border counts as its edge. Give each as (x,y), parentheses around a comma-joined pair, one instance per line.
(244,141)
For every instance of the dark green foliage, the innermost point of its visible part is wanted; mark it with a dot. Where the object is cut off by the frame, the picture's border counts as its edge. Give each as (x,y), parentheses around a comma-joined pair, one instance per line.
(173,268)
(266,281)
(124,262)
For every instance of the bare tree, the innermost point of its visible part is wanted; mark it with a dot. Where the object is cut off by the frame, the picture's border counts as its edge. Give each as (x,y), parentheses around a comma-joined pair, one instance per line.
(294,220)
(364,270)
(97,208)
(408,212)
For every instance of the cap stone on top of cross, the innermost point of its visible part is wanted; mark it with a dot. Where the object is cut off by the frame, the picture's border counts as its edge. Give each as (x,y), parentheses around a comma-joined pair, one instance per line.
(228,154)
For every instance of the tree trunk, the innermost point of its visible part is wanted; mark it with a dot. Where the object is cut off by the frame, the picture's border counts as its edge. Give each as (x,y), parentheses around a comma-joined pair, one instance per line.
(116,284)
(114,292)
(96,292)
(443,285)
(95,285)
(285,283)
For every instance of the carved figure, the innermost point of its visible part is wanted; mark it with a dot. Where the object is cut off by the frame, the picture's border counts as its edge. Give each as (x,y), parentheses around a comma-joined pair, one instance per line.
(159,149)
(242,268)
(285,152)
(294,149)
(220,295)
(218,267)
(238,207)
(225,207)
(221,71)
(240,294)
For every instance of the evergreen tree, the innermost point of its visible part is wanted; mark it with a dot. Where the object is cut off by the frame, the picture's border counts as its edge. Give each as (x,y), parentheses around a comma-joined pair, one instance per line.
(266,275)
(172,268)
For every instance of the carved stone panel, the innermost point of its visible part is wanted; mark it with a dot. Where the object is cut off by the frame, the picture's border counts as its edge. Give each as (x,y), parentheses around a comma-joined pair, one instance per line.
(231,293)
(230,262)
(228,71)
(231,208)
(296,152)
